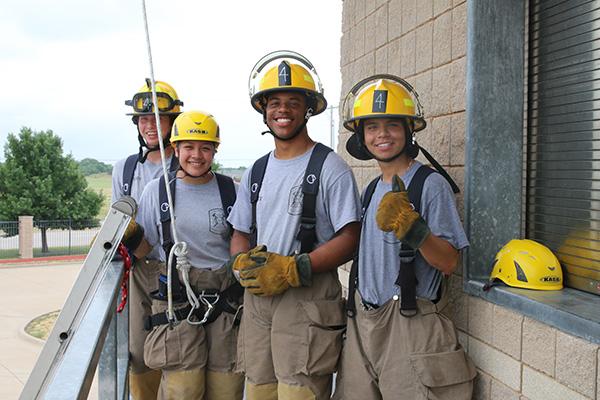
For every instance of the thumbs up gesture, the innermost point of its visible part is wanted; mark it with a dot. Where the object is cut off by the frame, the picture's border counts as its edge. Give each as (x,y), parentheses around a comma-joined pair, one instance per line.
(396,214)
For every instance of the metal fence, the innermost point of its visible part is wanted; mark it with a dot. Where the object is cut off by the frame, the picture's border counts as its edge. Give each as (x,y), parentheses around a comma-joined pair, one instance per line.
(50,237)
(9,228)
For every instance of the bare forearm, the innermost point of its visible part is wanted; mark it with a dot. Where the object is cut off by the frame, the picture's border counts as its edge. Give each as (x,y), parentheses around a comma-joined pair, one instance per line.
(440,254)
(337,250)
(240,243)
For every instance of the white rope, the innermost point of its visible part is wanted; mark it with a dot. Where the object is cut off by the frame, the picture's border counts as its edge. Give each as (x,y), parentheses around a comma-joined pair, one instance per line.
(179,248)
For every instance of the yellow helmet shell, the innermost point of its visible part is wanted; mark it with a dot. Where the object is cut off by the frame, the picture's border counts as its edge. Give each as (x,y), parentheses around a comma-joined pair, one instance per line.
(168,101)
(195,125)
(285,71)
(382,96)
(527,264)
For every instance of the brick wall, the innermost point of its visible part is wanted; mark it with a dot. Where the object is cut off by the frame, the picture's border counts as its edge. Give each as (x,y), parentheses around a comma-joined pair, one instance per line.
(424,42)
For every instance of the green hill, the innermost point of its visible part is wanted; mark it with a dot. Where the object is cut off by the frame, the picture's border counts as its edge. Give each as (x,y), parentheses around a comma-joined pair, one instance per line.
(101,183)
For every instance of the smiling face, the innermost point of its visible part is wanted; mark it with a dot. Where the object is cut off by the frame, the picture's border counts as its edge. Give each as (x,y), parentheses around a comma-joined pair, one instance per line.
(147,128)
(285,112)
(385,138)
(195,156)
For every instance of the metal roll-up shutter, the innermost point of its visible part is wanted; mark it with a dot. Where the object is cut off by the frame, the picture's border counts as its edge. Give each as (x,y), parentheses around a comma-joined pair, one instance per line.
(563,136)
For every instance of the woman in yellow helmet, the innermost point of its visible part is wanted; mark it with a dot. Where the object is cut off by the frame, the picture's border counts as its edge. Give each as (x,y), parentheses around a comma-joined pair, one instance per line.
(196,352)
(130,176)
(399,345)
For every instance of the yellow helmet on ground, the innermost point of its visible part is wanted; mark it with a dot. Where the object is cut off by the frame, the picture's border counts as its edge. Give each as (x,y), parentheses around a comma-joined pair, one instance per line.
(381,96)
(527,264)
(285,71)
(195,125)
(167,99)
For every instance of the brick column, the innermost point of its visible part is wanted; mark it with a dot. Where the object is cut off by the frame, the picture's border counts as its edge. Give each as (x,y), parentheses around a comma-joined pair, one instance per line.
(26,236)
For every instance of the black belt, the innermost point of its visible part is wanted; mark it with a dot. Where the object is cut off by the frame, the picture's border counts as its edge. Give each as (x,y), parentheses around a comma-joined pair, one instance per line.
(207,313)
(369,306)
(372,306)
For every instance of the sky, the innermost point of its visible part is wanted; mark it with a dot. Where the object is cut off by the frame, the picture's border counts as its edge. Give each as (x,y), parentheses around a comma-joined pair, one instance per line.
(69,65)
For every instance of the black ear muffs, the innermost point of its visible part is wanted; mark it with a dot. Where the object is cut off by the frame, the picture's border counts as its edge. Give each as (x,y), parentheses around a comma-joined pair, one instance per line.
(356,147)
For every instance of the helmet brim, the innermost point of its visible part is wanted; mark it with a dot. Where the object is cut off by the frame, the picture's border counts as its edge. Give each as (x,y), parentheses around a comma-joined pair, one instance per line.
(321,101)
(138,114)
(419,123)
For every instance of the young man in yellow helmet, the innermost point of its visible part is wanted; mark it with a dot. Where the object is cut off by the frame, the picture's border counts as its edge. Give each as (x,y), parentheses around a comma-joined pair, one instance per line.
(196,348)
(297,209)
(399,345)
(130,176)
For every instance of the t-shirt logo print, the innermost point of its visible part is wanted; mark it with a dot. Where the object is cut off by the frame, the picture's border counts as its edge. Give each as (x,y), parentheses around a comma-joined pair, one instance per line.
(295,200)
(218,222)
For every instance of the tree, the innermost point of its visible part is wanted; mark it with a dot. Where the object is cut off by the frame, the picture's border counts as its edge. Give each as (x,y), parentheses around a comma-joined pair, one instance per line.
(89,166)
(37,179)
(216,166)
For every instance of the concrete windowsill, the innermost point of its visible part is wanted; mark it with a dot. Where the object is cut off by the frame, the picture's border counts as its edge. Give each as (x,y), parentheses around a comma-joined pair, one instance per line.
(569,310)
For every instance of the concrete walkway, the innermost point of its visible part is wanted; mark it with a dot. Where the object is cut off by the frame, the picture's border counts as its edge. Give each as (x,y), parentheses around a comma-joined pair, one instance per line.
(26,292)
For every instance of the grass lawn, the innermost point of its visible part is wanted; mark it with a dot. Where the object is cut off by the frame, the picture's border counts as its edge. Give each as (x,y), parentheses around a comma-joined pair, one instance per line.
(52,251)
(101,183)
(42,325)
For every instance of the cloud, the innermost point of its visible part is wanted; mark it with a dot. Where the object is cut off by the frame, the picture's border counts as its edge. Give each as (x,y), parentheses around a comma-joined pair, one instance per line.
(70,65)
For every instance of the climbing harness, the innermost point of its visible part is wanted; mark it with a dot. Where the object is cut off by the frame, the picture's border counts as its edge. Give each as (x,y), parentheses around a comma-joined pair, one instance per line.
(207,302)
(406,280)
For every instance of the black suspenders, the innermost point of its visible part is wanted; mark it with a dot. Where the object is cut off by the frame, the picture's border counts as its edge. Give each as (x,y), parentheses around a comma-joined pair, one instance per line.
(129,170)
(228,196)
(256,179)
(307,234)
(406,279)
(310,187)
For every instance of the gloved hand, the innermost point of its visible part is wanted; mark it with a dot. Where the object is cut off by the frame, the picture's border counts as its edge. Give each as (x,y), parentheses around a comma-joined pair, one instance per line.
(242,260)
(272,274)
(396,213)
(133,235)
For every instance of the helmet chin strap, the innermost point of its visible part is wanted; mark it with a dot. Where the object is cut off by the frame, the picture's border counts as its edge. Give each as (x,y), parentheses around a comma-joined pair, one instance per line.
(195,176)
(144,149)
(309,113)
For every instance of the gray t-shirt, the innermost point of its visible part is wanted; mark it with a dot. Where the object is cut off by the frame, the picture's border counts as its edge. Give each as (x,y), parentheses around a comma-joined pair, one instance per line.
(279,203)
(379,262)
(200,222)
(143,174)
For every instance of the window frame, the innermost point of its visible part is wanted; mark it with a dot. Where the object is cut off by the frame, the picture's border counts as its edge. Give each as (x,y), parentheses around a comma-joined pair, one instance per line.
(494,167)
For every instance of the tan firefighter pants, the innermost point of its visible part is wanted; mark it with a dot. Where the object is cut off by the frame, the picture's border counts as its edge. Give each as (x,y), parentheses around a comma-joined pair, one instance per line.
(290,344)
(197,361)
(391,357)
(143,280)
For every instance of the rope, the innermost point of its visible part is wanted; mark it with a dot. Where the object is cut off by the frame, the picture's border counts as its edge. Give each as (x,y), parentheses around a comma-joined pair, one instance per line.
(124,282)
(182,261)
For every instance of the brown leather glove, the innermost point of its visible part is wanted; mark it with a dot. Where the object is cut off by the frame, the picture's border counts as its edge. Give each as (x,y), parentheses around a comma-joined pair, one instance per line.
(133,235)
(396,214)
(273,274)
(240,261)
